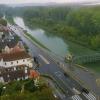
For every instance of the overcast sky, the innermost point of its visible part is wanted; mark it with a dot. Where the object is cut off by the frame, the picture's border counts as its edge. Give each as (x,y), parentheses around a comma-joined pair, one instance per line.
(42,1)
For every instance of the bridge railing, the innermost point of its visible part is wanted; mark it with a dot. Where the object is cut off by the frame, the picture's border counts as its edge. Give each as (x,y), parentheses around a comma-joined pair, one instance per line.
(87,58)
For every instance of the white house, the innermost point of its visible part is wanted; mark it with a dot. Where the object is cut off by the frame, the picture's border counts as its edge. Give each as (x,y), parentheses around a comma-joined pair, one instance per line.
(15,59)
(15,66)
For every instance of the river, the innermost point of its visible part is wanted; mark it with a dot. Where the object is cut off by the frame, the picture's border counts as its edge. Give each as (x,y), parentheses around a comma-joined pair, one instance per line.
(55,44)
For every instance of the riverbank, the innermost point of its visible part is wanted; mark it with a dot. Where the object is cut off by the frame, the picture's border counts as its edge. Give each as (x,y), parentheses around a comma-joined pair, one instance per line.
(92,66)
(36,41)
(79,50)
(74,47)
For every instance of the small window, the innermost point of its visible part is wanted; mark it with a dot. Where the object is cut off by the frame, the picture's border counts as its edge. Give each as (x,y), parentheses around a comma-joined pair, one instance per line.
(17,61)
(23,60)
(5,63)
(11,62)
(8,76)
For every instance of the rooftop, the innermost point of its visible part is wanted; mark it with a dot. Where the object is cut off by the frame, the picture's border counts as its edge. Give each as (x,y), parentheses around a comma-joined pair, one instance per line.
(10,43)
(14,56)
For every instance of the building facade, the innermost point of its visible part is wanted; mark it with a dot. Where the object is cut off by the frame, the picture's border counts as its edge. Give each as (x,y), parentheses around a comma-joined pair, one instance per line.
(14,73)
(15,66)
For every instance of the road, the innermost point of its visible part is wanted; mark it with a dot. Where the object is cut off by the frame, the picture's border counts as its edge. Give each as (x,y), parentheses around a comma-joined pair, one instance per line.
(48,66)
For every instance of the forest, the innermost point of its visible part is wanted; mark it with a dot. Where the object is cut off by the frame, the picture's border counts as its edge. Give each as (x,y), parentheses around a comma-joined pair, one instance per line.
(77,24)
(80,25)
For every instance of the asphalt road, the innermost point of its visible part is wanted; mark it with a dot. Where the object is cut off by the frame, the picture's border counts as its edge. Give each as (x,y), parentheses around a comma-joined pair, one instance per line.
(48,66)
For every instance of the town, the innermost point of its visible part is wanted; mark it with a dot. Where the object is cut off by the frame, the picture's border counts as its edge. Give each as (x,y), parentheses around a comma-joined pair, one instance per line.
(17,63)
(49,50)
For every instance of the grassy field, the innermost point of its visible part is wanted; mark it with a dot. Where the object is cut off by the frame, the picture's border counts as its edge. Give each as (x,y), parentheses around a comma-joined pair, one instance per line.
(78,50)
(36,41)
(93,66)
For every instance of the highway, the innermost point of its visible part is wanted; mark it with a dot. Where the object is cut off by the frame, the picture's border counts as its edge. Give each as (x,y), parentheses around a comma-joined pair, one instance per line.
(49,66)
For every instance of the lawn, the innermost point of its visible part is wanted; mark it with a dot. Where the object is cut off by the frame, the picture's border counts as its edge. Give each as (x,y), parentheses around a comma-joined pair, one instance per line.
(94,66)
(77,49)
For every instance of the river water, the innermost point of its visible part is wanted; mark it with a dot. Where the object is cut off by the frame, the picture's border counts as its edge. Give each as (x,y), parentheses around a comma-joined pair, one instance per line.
(55,44)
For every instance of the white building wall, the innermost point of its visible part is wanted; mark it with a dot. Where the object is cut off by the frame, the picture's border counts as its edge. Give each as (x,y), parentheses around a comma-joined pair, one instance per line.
(26,61)
(1,80)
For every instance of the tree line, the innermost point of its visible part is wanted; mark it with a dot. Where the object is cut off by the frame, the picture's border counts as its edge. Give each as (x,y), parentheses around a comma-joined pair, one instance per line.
(77,24)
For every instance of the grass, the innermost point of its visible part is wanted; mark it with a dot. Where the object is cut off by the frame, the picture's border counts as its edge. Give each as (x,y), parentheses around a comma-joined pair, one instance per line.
(78,49)
(36,41)
(10,20)
(74,47)
(95,66)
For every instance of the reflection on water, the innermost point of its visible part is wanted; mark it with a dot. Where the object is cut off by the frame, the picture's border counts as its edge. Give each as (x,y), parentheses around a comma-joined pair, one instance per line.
(55,44)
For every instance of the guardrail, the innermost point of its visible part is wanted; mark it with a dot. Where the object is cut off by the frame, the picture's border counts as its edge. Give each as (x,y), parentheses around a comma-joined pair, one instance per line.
(87,58)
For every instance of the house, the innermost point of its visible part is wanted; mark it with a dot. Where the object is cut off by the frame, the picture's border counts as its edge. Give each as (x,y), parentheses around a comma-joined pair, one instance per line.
(15,59)
(15,62)
(9,42)
(9,74)
(15,66)
(11,46)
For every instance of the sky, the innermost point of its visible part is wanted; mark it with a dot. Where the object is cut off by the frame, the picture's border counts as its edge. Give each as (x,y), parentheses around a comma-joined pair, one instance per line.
(43,1)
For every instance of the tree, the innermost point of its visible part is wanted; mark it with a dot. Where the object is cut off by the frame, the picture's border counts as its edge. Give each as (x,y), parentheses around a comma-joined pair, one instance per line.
(3,22)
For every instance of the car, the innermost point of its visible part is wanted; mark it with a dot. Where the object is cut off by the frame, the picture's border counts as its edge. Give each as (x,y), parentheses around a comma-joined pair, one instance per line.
(65,74)
(85,91)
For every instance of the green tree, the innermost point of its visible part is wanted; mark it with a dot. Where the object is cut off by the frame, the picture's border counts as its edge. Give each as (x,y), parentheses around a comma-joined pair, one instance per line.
(3,22)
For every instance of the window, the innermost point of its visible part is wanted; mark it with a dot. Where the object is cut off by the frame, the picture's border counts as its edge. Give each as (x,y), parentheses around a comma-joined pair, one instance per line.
(11,63)
(17,61)
(14,68)
(23,60)
(5,63)
(8,76)
(25,71)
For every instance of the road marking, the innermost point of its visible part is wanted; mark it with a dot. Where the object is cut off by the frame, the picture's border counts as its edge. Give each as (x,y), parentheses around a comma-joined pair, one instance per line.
(44,59)
(58,73)
(59,76)
(92,96)
(76,97)
(89,96)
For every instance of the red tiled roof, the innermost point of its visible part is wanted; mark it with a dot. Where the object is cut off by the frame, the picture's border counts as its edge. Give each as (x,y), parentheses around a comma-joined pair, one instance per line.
(14,56)
(16,49)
